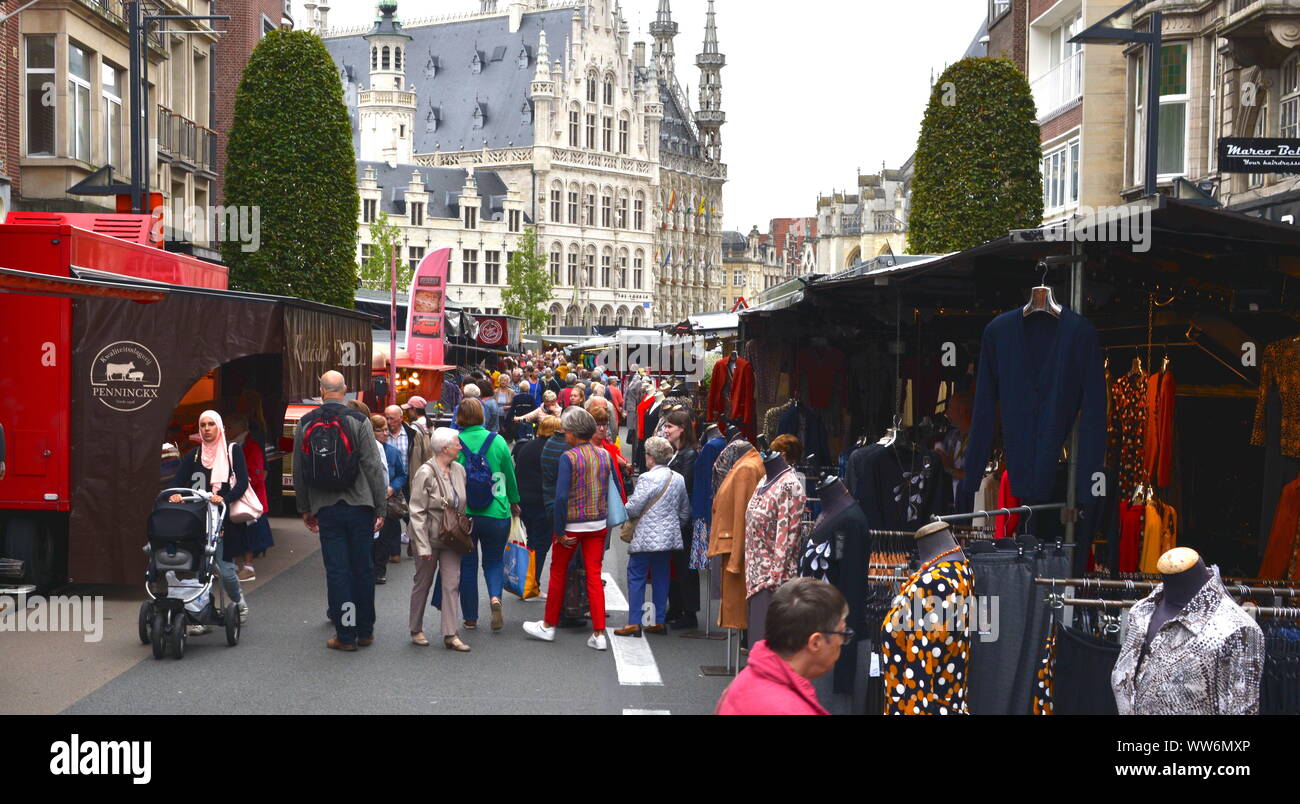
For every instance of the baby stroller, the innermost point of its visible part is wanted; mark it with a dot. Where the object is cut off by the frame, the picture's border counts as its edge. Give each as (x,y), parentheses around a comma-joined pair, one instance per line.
(182,572)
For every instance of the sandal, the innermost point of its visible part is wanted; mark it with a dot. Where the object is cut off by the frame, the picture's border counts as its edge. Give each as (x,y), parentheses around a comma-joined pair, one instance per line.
(454,643)
(420,639)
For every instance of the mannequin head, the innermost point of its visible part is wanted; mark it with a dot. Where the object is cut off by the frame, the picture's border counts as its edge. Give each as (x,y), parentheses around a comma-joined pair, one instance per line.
(806,626)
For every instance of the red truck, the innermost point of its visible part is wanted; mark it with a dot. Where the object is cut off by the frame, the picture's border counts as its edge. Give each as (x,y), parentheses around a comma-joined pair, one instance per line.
(104,334)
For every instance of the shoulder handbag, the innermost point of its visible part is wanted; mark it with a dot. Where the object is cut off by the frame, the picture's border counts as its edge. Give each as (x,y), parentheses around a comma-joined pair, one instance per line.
(456,526)
(247,508)
(629,527)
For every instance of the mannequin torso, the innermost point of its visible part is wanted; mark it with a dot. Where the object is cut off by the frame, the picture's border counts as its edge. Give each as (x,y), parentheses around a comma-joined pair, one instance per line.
(934,540)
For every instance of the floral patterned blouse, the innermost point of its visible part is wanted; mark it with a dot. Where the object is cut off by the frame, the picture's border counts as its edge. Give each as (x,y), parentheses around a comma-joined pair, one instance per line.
(772,532)
(1128,419)
(925,664)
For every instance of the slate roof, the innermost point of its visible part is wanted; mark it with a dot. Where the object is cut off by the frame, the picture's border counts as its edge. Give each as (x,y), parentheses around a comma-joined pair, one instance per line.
(978,49)
(443,185)
(454,89)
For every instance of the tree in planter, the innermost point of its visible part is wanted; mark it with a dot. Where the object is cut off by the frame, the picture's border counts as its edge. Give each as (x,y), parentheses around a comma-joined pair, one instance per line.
(977,159)
(528,284)
(377,271)
(290,155)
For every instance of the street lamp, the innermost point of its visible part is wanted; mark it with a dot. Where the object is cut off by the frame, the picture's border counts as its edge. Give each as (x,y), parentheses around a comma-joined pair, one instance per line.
(1102,34)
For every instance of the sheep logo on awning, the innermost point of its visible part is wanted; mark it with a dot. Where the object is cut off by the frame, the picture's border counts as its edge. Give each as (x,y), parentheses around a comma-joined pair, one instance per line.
(125,376)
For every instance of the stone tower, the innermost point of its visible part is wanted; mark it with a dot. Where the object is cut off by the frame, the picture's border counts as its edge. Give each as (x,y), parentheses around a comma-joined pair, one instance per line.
(710,116)
(386,110)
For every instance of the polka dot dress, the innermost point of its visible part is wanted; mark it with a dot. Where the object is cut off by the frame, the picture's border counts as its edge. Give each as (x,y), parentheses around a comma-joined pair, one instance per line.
(925,660)
(1043,681)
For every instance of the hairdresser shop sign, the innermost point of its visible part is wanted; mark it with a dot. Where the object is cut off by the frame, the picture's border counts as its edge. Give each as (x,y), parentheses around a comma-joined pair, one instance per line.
(1259,155)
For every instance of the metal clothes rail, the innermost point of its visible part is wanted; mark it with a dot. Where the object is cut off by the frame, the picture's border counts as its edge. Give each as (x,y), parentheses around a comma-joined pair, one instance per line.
(1099,583)
(1250,608)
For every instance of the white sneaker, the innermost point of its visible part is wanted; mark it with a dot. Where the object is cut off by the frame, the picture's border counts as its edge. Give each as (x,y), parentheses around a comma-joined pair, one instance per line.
(197,630)
(537,630)
(598,642)
(242,606)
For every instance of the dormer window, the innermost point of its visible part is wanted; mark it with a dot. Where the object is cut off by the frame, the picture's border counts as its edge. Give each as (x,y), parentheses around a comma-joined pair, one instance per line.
(431,119)
(524,58)
(431,66)
(476,63)
(527,112)
(480,114)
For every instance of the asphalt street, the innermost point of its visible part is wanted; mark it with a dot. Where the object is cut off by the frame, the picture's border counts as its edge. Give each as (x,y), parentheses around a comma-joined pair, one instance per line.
(282,665)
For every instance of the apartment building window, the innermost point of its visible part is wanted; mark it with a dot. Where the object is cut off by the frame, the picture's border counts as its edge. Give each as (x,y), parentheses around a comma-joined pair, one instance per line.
(589,267)
(609,92)
(607,134)
(111,81)
(638,213)
(606,271)
(368,206)
(620,217)
(622,270)
(557,203)
(513,218)
(1171,153)
(1255,180)
(573,206)
(1061,177)
(591,89)
(1289,119)
(589,209)
(557,257)
(606,211)
(417,213)
(79,102)
(365,252)
(40,95)
(622,136)
(469,266)
(591,132)
(575,121)
(471,218)
(573,269)
(638,272)
(738,278)
(492,267)
(416,254)
(997,8)
(1061,82)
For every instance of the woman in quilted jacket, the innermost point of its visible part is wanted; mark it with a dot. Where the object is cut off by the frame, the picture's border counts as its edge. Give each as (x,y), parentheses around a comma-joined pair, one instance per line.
(661,502)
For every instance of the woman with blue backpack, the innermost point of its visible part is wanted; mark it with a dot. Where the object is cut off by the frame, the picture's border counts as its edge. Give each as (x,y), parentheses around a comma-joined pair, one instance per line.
(492,500)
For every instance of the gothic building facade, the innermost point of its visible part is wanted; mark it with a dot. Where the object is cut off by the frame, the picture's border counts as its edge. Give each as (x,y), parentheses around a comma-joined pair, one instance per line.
(469,129)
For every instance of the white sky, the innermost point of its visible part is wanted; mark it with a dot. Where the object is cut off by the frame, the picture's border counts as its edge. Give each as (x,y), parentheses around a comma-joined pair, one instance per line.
(813,89)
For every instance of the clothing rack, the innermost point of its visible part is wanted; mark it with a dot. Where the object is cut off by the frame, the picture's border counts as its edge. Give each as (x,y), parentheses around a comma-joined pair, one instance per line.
(1250,608)
(1272,582)
(1274,591)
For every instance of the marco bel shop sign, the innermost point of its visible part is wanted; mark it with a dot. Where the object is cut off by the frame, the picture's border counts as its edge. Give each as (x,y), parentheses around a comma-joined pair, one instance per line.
(1259,155)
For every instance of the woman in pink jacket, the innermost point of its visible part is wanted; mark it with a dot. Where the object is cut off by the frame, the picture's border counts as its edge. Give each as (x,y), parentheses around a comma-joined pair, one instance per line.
(806,629)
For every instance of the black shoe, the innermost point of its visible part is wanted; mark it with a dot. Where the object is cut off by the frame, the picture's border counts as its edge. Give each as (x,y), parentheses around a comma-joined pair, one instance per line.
(571,622)
(686,622)
(381,580)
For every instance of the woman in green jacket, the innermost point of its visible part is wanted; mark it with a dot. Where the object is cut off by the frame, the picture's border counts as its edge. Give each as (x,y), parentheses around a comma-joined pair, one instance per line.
(491,523)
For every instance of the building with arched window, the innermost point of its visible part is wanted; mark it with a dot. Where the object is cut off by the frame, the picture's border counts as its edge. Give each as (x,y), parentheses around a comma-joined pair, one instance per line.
(603,127)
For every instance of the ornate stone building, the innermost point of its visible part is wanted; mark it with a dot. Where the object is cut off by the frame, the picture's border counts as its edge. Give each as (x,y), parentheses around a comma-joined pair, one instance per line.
(557,120)
(854,227)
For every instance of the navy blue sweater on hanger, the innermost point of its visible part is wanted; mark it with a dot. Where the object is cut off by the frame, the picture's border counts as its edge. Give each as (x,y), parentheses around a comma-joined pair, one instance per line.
(1040,372)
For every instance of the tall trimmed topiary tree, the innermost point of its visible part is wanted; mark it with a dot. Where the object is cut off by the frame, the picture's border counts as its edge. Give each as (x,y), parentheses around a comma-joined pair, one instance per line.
(290,154)
(977,160)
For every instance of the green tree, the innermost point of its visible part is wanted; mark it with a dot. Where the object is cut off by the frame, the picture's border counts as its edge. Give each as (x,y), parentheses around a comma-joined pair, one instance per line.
(290,157)
(377,270)
(528,284)
(977,159)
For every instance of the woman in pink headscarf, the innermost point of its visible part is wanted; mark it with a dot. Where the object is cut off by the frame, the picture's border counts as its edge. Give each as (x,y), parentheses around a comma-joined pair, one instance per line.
(214,467)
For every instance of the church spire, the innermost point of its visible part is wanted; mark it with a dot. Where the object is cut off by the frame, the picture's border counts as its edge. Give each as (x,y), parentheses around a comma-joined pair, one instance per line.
(663,29)
(710,116)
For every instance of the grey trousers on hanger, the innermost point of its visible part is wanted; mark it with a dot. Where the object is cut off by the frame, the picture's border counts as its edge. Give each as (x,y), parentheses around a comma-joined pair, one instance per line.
(1009,578)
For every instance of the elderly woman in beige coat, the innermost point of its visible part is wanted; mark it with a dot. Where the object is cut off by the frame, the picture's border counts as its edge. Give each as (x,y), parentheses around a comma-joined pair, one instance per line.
(439,483)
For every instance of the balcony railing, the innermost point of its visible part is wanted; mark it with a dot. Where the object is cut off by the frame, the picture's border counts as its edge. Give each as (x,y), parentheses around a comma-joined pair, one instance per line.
(183,139)
(1059,86)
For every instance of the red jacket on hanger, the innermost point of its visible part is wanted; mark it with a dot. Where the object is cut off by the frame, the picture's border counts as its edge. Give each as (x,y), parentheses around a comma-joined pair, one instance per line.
(742,391)
(1159,440)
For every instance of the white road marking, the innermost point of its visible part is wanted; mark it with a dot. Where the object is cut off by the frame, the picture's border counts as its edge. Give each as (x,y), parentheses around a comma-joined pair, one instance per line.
(646,712)
(615,600)
(632,656)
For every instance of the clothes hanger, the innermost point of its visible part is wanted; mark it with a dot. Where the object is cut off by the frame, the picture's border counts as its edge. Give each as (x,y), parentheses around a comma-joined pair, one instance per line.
(1041,298)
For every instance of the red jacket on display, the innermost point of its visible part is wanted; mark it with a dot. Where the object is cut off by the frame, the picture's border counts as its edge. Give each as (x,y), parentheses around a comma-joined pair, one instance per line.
(768,686)
(741,405)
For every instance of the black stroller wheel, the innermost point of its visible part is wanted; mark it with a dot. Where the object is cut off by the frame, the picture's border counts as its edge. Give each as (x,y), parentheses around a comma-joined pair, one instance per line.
(232,625)
(176,636)
(145,621)
(157,633)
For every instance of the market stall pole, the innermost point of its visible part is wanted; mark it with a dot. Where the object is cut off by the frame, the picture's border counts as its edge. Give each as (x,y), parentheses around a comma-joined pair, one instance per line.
(392,331)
